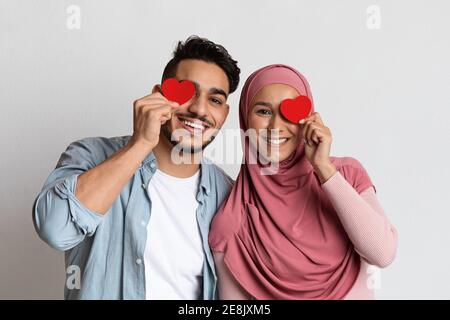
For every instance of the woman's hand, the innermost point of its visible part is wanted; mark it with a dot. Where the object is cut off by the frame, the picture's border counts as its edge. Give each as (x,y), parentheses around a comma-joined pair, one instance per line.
(318,140)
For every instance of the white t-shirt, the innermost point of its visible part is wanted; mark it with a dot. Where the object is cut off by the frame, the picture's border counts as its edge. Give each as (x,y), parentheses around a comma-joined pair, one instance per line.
(173,254)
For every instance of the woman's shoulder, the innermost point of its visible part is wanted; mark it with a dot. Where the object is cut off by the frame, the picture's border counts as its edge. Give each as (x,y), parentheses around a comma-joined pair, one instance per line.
(346,162)
(221,230)
(354,172)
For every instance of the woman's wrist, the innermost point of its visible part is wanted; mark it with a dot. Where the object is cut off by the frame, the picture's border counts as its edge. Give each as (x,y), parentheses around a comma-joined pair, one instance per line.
(324,171)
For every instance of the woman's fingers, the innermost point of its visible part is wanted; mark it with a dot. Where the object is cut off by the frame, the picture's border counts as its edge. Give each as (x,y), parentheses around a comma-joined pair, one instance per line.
(317,118)
(307,130)
(311,132)
(314,132)
(304,128)
(312,117)
(313,128)
(316,135)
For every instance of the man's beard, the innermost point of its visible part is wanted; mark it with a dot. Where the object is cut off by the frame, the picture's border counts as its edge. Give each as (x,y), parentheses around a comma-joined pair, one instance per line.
(176,144)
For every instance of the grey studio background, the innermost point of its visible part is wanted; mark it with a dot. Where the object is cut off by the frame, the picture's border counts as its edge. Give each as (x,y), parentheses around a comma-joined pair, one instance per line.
(381,85)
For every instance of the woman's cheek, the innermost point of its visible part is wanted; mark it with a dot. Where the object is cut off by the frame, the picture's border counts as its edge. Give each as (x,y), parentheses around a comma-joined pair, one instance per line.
(258,123)
(295,130)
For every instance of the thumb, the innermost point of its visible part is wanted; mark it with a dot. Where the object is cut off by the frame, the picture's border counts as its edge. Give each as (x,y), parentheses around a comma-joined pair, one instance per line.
(157,88)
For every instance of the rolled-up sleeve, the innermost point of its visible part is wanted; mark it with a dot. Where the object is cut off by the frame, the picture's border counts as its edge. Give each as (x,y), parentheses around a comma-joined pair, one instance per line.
(60,219)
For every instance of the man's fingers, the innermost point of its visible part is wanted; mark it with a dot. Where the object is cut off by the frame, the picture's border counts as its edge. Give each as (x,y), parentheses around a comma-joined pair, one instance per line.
(161,108)
(162,111)
(164,118)
(152,100)
(154,105)
(151,95)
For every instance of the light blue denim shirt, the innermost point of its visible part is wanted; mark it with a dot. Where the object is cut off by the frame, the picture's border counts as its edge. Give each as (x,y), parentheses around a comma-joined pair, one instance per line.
(108,249)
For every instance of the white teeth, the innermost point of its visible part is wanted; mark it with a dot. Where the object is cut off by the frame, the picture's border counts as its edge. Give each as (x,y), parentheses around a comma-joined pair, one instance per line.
(193,125)
(277,141)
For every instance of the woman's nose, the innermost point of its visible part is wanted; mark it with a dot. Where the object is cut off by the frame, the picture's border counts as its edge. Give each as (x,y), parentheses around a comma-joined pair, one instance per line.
(277,122)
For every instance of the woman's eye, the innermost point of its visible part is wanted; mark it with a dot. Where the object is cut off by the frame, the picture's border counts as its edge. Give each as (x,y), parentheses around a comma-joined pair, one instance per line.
(264,112)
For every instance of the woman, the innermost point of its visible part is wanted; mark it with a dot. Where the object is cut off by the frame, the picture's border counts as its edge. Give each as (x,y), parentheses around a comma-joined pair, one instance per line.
(311,229)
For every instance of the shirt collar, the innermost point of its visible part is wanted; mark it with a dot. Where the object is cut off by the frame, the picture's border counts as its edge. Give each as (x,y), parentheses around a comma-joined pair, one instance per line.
(205,167)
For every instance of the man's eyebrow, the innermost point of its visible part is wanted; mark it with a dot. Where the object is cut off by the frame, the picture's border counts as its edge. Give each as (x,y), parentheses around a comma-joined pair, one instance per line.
(218,91)
(262,103)
(212,90)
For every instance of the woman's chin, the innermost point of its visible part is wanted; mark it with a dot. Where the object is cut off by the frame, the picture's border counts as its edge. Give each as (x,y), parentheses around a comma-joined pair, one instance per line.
(273,154)
(275,157)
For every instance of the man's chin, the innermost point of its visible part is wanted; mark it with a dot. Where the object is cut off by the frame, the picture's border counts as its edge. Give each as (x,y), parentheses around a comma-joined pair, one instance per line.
(189,148)
(194,144)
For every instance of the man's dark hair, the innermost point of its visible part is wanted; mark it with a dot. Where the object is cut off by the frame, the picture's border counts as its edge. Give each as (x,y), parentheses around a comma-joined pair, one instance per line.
(203,49)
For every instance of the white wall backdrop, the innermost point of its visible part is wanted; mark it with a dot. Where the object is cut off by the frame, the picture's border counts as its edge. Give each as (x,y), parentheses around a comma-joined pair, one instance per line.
(379,72)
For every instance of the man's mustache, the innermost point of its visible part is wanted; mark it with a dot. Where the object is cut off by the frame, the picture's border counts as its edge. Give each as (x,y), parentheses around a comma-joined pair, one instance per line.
(195,116)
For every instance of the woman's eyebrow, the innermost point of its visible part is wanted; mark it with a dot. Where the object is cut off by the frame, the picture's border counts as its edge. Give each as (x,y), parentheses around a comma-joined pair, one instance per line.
(262,103)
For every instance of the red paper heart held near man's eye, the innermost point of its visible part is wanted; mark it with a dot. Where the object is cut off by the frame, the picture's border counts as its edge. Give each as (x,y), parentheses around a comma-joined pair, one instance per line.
(296,109)
(180,92)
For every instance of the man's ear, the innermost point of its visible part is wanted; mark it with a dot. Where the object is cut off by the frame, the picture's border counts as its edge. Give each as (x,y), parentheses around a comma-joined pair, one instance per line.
(157,88)
(227,106)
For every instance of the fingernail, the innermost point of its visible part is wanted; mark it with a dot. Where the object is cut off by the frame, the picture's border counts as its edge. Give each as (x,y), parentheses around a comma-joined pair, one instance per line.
(302,121)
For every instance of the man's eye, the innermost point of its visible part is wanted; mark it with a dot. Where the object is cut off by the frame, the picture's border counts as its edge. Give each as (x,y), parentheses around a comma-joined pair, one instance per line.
(216,101)
(264,112)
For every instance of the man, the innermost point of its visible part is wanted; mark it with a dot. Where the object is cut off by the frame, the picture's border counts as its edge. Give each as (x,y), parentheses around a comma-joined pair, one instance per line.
(132,220)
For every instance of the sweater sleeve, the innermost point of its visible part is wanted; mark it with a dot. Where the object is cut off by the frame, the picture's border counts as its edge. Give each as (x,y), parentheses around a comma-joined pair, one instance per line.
(364,220)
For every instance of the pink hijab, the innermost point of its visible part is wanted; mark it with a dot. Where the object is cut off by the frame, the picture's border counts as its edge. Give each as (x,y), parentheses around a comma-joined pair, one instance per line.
(280,235)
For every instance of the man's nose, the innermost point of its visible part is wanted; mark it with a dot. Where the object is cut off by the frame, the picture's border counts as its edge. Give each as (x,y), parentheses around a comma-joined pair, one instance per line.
(199,106)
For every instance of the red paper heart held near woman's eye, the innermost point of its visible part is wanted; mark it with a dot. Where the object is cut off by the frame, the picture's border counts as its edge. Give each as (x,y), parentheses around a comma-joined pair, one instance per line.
(180,92)
(296,109)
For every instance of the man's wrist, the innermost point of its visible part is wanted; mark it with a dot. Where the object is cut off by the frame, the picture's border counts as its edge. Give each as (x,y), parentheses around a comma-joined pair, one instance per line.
(138,148)
(140,144)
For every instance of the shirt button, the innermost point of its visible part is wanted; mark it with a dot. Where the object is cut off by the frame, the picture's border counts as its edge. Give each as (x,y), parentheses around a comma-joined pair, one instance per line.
(152,165)
(143,185)
(138,261)
(143,223)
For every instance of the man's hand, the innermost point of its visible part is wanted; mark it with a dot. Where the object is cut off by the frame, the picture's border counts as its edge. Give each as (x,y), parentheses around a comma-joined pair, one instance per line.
(149,113)
(98,187)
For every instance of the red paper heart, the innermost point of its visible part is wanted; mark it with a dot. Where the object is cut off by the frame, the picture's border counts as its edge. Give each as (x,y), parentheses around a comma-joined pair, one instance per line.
(296,109)
(180,92)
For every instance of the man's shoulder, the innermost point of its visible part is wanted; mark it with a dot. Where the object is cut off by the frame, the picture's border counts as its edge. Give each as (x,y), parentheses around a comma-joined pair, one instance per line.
(103,143)
(221,177)
(100,146)
(93,149)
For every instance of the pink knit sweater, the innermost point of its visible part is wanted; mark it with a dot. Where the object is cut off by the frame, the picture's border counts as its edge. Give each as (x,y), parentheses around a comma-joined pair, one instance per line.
(364,220)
